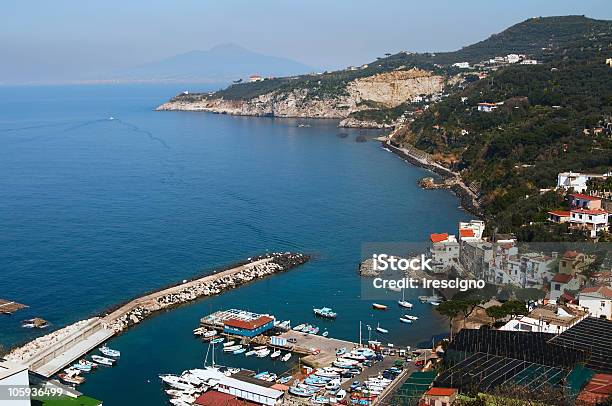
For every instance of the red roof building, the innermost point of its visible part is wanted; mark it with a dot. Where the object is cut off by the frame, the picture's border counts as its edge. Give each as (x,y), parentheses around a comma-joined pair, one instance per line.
(597,390)
(248,325)
(562,278)
(438,237)
(214,398)
(439,397)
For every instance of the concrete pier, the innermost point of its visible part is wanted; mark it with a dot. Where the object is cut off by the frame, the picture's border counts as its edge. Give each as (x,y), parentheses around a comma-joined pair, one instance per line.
(327,346)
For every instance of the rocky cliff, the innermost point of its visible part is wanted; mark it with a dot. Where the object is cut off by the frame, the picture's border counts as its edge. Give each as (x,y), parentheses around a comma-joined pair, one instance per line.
(387,89)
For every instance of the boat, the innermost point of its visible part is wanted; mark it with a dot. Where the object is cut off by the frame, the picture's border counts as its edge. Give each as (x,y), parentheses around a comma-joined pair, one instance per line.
(199,331)
(87,362)
(341,351)
(381,330)
(232,348)
(325,312)
(301,391)
(82,367)
(434,303)
(403,302)
(285,379)
(178,402)
(378,306)
(404,320)
(275,354)
(109,352)
(325,334)
(228,343)
(73,379)
(286,357)
(103,360)
(263,353)
(299,327)
(176,382)
(409,317)
(260,347)
(207,335)
(217,340)
(249,353)
(261,375)
(239,351)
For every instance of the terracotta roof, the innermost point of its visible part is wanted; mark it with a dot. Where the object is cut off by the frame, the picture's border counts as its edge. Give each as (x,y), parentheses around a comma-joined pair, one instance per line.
(249,325)
(215,398)
(570,254)
(584,197)
(439,237)
(560,213)
(604,291)
(562,278)
(591,211)
(568,296)
(598,389)
(466,232)
(441,392)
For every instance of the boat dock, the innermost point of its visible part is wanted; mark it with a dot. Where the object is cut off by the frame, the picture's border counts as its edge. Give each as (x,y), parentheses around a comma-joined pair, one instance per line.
(9,307)
(307,343)
(48,354)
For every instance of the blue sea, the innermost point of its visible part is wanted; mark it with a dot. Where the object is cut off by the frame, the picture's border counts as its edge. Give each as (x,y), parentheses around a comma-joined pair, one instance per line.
(94,211)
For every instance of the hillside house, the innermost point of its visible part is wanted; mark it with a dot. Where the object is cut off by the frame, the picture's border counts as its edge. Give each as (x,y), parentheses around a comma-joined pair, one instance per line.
(574,262)
(597,301)
(561,283)
(577,181)
(594,221)
(559,216)
(487,107)
(444,251)
(583,201)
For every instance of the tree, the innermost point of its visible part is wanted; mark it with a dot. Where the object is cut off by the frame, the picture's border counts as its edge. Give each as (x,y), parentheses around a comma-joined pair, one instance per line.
(451,309)
(496,313)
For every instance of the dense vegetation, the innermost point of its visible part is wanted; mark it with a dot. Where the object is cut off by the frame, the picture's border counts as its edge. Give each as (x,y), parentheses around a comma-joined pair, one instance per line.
(539,131)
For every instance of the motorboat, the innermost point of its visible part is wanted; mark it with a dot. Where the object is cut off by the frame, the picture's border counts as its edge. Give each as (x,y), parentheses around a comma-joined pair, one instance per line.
(325,334)
(82,367)
(263,353)
(286,357)
(325,312)
(73,379)
(434,303)
(275,354)
(249,353)
(87,362)
(217,340)
(340,395)
(199,331)
(239,351)
(260,347)
(285,379)
(208,335)
(232,348)
(261,375)
(301,391)
(109,352)
(103,360)
(229,343)
(405,320)
(403,302)
(341,351)
(176,382)
(409,317)
(394,289)
(378,306)
(333,385)
(299,327)
(381,330)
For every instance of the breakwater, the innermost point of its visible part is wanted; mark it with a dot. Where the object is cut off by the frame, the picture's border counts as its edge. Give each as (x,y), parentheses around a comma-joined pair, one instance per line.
(50,353)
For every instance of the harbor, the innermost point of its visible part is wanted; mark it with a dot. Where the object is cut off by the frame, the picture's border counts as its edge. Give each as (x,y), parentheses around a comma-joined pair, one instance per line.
(48,354)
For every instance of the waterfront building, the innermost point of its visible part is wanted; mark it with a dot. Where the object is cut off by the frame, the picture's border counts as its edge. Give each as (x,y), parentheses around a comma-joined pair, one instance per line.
(13,375)
(597,301)
(240,389)
(444,251)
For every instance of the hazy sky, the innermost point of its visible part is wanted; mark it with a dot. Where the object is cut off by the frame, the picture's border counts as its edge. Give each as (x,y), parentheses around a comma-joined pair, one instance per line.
(60,39)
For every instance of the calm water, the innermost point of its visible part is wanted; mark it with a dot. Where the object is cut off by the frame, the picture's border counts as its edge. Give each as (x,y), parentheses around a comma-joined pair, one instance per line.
(94,211)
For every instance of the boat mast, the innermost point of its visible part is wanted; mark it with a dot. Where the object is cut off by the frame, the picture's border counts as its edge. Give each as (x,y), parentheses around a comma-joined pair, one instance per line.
(360,333)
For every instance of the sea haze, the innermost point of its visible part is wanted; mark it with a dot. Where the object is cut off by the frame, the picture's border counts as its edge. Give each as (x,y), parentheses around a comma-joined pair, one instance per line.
(94,211)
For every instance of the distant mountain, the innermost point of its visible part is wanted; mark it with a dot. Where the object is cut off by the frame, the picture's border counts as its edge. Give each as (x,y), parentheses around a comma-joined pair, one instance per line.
(222,63)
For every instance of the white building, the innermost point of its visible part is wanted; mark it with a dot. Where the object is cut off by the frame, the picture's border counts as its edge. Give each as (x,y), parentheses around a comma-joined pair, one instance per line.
(549,318)
(513,58)
(487,107)
(560,283)
(444,251)
(13,376)
(462,65)
(597,301)
(577,181)
(594,220)
(477,226)
(255,78)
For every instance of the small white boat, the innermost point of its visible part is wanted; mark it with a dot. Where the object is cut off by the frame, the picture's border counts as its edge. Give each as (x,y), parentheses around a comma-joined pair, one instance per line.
(229,343)
(249,353)
(434,303)
(263,353)
(381,330)
(286,357)
(103,360)
(409,317)
(404,320)
(209,334)
(109,352)
(299,327)
(217,340)
(378,306)
(403,302)
(239,351)
(199,331)
(275,354)
(232,348)
(325,334)
(260,347)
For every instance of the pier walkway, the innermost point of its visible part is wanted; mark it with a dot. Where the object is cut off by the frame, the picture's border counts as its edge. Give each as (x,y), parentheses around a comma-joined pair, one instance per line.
(305,343)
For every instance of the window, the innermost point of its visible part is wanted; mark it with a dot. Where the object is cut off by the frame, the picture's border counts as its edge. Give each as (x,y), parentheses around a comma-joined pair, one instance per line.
(602,303)
(557,286)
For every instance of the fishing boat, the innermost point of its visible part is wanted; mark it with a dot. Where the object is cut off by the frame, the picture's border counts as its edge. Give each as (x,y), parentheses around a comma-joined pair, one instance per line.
(409,317)
(261,375)
(299,327)
(301,391)
(249,353)
(325,312)
(381,330)
(378,306)
(403,302)
(286,357)
(405,320)
(109,352)
(103,360)
(87,362)
(239,351)
(82,367)
(263,353)
(232,348)
(71,378)
(229,343)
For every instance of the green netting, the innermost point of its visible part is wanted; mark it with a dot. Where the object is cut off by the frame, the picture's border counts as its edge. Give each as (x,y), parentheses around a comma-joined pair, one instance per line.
(577,378)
